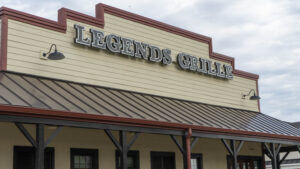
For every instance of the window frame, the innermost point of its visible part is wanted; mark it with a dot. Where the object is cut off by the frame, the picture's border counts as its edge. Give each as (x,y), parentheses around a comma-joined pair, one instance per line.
(30,148)
(243,157)
(162,153)
(199,158)
(134,153)
(90,152)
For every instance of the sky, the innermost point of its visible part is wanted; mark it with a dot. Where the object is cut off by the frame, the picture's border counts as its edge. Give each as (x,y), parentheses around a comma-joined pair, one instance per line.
(262,35)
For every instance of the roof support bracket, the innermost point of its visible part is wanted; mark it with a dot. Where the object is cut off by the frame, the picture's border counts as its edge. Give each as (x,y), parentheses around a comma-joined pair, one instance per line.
(113,140)
(53,135)
(195,140)
(233,150)
(284,157)
(38,143)
(26,134)
(122,145)
(185,147)
(273,152)
(181,147)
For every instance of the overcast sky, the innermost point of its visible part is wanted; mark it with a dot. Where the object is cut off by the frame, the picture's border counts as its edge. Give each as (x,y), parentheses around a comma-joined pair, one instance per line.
(262,35)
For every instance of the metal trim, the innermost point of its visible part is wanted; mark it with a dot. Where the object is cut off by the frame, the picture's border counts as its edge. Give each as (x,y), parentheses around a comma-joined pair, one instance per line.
(68,123)
(243,138)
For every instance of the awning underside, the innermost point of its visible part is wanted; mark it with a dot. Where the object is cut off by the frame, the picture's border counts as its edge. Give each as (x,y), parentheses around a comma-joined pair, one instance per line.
(39,92)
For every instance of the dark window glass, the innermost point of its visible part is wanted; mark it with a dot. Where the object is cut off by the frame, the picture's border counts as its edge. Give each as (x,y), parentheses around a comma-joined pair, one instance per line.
(196,161)
(162,160)
(84,158)
(24,157)
(246,162)
(132,159)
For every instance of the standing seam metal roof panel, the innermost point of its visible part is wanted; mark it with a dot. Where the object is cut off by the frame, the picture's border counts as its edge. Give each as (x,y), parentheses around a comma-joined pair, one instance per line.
(40,92)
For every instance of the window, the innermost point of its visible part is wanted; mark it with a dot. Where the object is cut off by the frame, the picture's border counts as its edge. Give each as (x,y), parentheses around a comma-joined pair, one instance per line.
(84,158)
(132,159)
(246,162)
(162,160)
(196,161)
(24,157)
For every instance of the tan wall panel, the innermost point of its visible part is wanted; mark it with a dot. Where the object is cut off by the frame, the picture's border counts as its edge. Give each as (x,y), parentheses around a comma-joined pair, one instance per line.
(162,34)
(86,65)
(178,85)
(106,57)
(70,34)
(214,152)
(130,30)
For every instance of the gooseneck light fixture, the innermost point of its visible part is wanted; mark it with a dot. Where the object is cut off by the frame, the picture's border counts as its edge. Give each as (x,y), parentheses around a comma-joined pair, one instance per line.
(254,97)
(54,55)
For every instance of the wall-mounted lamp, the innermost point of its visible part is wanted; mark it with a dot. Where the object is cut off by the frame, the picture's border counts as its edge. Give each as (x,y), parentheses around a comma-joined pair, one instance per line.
(54,55)
(254,97)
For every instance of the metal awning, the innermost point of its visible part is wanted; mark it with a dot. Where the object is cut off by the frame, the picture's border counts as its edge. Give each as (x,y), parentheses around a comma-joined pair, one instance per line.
(51,94)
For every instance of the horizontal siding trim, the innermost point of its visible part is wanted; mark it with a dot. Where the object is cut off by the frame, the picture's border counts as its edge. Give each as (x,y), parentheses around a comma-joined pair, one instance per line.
(82,51)
(160,83)
(118,85)
(205,93)
(132,32)
(113,27)
(132,64)
(131,24)
(70,34)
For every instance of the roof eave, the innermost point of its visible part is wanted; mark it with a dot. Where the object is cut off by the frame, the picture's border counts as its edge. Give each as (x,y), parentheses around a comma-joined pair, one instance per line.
(91,118)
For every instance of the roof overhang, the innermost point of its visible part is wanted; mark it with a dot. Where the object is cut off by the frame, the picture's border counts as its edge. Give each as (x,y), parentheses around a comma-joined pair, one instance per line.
(71,119)
(33,99)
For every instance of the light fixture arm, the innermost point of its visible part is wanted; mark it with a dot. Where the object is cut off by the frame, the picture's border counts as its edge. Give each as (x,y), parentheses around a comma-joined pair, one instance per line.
(249,93)
(45,54)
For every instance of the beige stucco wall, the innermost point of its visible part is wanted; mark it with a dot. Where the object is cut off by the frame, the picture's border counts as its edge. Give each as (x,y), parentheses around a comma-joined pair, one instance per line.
(99,67)
(214,152)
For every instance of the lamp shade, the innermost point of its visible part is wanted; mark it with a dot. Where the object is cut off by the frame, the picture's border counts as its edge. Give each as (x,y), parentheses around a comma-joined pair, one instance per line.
(254,97)
(56,55)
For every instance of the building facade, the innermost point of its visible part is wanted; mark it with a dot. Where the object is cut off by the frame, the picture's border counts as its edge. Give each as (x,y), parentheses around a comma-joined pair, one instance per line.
(119,90)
